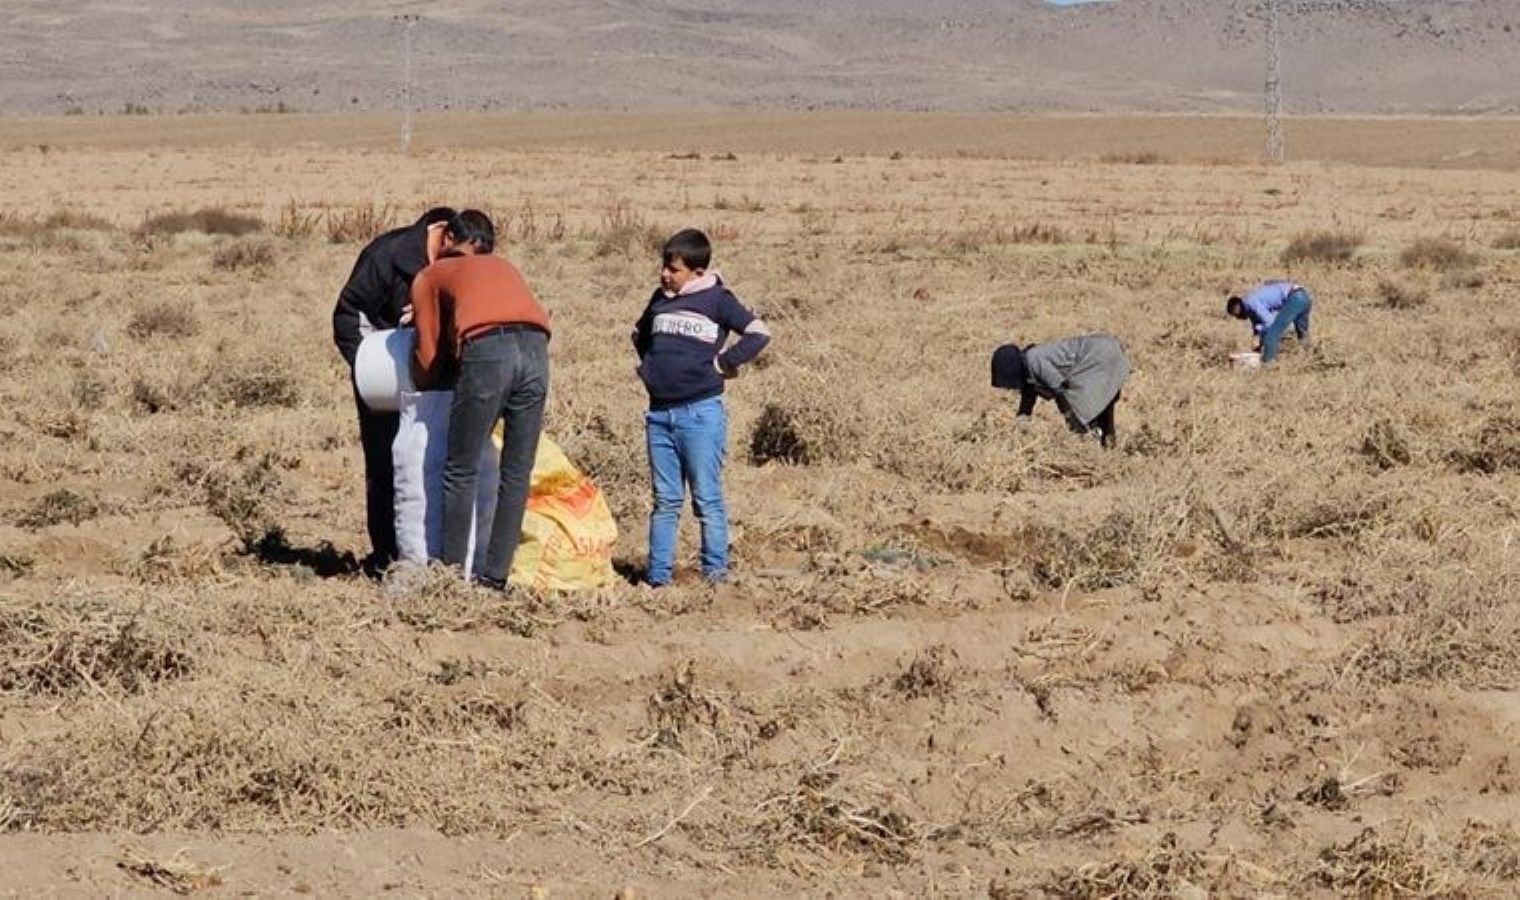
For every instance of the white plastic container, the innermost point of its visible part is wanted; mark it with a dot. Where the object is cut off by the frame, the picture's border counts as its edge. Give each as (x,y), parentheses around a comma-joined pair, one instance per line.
(383,368)
(1245,361)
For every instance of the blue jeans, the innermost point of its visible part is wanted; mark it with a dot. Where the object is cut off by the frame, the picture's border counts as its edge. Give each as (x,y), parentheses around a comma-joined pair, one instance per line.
(1295,312)
(686,447)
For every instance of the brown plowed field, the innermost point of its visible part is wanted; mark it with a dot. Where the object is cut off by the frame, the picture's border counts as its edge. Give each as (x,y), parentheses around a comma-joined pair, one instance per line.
(1268,647)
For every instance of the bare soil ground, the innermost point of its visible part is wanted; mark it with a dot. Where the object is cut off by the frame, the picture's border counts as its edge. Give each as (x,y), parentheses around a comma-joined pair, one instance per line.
(1418,142)
(1266,648)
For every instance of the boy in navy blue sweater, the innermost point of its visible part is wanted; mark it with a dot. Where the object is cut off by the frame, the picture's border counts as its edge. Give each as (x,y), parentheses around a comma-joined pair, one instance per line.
(680,340)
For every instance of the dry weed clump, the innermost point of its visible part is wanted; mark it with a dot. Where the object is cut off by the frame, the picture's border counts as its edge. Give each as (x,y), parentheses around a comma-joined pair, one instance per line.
(975,238)
(1127,546)
(986,454)
(75,220)
(13,224)
(167,319)
(1458,644)
(254,254)
(1357,597)
(1509,240)
(624,231)
(1401,296)
(436,597)
(819,815)
(430,710)
(208,220)
(68,645)
(10,351)
(153,398)
(845,584)
(745,203)
(681,714)
(678,704)
(1369,866)
(1346,508)
(523,225)
(1386,445)
(166,561)
(173,875)
(1164,870)
(1328,247)
(1452,623)
(69,425)
(264,754)
(1035,233)
(295,223)
(287,747)
(255,384)
(15,564)
(242,496)
(1489,851)
(1197,345)
(356,224)
(59,507)
(1464,279)
(1495,448)
(803,432)
(89,391)
(1440,254)
(1134,158)
(930,674)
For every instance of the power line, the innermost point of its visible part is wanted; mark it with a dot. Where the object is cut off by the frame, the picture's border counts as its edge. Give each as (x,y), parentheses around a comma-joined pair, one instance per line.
(1274,87)
(408,21)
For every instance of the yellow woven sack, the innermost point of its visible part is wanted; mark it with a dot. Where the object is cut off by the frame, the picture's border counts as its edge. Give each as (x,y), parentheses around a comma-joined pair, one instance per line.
(568,531)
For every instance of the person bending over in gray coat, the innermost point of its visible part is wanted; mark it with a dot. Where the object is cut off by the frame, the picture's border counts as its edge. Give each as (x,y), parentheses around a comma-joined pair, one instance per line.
(1083,375)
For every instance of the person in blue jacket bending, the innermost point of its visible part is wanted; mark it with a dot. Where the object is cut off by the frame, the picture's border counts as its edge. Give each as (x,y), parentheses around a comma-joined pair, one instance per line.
(1271,308)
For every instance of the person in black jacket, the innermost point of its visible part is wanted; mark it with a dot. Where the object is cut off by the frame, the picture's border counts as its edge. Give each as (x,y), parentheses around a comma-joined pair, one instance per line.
(376,297)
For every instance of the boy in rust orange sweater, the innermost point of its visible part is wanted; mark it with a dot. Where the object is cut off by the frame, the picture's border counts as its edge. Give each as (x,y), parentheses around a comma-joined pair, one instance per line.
(478,321)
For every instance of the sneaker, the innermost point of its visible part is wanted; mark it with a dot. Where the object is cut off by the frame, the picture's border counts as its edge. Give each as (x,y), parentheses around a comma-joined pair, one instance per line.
(374,566)
(403,579)
(489,583)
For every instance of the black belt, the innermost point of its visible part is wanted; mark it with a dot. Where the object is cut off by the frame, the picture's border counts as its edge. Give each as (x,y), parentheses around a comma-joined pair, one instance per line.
(510,328)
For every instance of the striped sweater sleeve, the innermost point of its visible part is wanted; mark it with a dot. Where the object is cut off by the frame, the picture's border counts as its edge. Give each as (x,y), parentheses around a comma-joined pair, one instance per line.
(754,335)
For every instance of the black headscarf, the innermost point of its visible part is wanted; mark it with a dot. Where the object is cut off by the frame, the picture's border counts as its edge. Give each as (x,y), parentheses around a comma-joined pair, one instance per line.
(1008,370)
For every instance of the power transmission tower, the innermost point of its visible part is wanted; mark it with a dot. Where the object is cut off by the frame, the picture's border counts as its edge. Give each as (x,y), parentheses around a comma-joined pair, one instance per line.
(1274,85)
(408,22)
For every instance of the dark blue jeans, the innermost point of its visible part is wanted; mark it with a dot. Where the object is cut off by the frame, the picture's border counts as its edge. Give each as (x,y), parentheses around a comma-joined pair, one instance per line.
(503,375)
(1295,312)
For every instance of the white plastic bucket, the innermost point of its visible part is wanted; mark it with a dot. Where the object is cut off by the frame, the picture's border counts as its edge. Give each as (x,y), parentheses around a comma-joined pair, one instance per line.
(1245,361)
(383,368)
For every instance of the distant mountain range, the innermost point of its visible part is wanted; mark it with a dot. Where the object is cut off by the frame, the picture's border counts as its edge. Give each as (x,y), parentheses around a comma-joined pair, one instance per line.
(1339,56)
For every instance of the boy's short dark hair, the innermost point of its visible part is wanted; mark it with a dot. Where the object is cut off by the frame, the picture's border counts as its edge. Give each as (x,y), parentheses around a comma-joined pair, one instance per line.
(690,246)
(473,227)
(1235,307)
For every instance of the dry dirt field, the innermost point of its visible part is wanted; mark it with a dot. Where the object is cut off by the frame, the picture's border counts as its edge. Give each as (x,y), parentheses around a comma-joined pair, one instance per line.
(1266,648)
